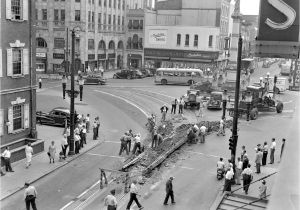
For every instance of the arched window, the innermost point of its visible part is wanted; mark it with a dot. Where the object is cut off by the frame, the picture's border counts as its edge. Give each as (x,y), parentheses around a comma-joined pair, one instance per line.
(41,43)
(187,40)
(135,41)
(129,44)
(120,45)
(178,39)
(210,41)
(196,41)
(101,45)
(111,45)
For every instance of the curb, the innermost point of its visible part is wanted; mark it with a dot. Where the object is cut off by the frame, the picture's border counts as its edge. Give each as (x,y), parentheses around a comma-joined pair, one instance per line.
(50,171)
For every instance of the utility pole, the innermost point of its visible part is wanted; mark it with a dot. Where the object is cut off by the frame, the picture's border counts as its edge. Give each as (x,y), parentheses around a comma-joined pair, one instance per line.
(236,100)
(67,53)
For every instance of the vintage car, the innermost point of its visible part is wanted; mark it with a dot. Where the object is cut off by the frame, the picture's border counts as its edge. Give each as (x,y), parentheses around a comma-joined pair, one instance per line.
(56,117)
(128,74)
(215,100)
(94,80)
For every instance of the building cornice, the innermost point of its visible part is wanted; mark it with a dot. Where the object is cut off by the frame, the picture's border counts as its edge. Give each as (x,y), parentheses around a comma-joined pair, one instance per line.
(16,90)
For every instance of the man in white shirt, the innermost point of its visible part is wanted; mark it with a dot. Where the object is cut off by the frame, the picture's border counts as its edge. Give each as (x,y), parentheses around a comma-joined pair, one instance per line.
(111,201)
(272,150)
(137,143)
(202,133)
(133,194)
(29,153)
(30,196)
(64,144)
(180,107)
(238,171)
(81,83)
(6,156)
(228,179)
(87,120)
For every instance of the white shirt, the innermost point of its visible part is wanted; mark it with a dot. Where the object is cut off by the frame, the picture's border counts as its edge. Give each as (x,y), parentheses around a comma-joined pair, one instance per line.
(221,164)
(64,141)
(6,154)
(76,137)
(273,145)
(110,200)
(229,174)
(28,150)
(240,165)
(81,82)
(202,129)
(87,119)
(30,190)
(133,188)
(137,139)
(84,130)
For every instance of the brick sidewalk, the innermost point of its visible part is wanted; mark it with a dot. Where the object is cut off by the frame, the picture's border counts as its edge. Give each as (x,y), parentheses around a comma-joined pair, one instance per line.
(14,182)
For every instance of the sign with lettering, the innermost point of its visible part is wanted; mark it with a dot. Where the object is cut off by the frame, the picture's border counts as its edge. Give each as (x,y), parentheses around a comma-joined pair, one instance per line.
(279,20)
(158,36)
(58,56)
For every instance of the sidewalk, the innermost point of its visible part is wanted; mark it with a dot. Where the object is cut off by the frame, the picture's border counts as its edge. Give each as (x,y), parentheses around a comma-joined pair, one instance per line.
(11,183)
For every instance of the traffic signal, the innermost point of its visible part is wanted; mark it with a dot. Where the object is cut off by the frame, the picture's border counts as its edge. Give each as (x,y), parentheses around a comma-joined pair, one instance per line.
(275,79)
(231,144)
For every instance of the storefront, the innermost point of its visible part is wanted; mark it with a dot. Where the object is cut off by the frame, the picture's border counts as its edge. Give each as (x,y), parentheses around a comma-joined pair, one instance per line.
(111,61)
(102,61)
(134,60)
(41,62)
(159,58)
(58,67)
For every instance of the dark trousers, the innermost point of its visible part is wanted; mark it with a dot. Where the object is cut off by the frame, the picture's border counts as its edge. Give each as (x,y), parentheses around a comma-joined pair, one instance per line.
(264,158)
(258,168)
(98,126)
(272,156)
(109,207)
(32,202)
(77,147)
(64,149)
(133,198)
(7,164)
(154,141)
(248,111)
(227,185)
(173,110)
(64,89)
(40,85)
(180,109)
(224,109)
(123,147)
(246,183)
(80,91)
(169,194)
(136,145)
(87,126)
(94,133)
(129,145)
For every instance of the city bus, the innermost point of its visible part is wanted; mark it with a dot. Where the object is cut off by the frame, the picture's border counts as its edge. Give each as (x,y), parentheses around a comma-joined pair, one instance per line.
(176,76)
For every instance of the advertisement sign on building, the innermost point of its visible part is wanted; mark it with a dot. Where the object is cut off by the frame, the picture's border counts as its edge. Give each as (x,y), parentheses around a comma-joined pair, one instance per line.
(158,37)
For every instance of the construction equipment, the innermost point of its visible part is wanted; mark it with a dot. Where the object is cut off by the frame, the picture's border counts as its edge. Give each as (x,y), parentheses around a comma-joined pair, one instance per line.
(192,99)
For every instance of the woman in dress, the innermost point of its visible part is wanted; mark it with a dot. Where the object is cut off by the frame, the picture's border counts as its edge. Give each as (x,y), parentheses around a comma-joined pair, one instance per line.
(52,151)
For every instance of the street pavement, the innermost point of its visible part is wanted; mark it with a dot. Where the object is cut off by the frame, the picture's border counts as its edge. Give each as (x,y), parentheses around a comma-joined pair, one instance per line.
(123,104)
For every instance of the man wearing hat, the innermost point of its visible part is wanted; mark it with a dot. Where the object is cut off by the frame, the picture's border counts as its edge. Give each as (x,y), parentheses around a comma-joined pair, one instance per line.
(164,109)
(30,196)
(263,190)
(169,191)
(224,102)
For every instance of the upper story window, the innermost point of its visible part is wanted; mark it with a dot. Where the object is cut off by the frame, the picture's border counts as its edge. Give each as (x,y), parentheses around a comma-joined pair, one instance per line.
(56,16)
(109,19)
(123,5)
(16,10)
(210,40)
(135,24)
(41,43)
(119,4)
(17,61)
(178,39)
(114,19)
(196,41)
(77,15)
(91,44)
(123,21)
(187,40)
(115,3)
(62,15)
(99,19)
(119,20)
(104,3)
(109,3)
(77,1)
(100,3)
(141,24)
(130,24)
(44,14)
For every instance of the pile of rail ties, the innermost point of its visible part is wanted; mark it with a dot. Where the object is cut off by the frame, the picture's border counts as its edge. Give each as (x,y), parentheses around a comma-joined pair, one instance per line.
(140,167)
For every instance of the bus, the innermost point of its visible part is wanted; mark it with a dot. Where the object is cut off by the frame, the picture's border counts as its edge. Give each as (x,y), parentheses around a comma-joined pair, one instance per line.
(166,76)
(249,65)
(285,68)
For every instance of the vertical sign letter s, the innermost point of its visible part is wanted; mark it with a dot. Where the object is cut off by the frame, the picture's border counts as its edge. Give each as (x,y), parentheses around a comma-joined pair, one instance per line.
(287,10)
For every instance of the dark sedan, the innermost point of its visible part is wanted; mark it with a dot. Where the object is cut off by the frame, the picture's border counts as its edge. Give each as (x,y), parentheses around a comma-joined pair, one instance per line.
(215,101)
(94,80)
(56,117)
(128,74)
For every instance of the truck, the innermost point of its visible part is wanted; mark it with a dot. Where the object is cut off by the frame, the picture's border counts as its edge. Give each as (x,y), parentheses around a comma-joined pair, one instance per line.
(282,84)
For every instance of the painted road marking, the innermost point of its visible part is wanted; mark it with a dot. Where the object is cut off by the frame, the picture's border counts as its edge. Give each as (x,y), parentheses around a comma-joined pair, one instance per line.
(200,153)
(288,111)
(114,142)
(287,102)
(100,155)
(127,101)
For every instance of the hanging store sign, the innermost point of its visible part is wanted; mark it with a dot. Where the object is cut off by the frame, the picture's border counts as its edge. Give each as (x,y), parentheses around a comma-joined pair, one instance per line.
(158,37)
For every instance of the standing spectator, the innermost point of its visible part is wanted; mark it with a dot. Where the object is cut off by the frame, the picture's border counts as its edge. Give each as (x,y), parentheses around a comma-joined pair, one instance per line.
(129,138)
(258,159)
(64,85)
(180,106)
(164,109)
(272,150)
(174,105)
(238,171)
(98,125)
(265,153)
(221,128)
(77,143)
(228,179)
(157,140)
(202,133)
(282,148)
(201,109)
(29,153)
(262,190)
(224,102)
(83,135)
(87,120)
(243,152)
(68,133)
(6,156)
(64,144)
(245,161)
(133,195)
(95,128)
(123,145)
(81,83)
(30,195)
(111,201)
(247,178)
(40,83)
(169,191)
(221,166)
(52,151)
(137,143)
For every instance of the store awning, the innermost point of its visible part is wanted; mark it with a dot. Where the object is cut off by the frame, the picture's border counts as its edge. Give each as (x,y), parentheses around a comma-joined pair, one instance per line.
(157,58)
(192,60)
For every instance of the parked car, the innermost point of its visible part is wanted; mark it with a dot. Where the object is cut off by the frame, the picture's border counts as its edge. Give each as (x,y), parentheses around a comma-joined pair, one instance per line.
(128,74)
(215,101)
(147,72)
(56,117)
(94,80)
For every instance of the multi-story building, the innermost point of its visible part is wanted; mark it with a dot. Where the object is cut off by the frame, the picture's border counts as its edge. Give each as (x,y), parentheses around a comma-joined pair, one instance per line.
(17,71)
(100,34)
(195,30)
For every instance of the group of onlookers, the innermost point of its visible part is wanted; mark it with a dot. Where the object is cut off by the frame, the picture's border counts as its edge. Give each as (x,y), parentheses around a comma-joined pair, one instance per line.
(126,140)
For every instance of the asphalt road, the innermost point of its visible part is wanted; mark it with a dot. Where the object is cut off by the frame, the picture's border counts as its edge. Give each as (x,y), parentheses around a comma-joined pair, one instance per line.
(137,98)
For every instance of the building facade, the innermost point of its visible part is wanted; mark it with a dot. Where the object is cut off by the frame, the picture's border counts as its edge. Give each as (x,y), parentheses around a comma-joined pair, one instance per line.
(99,41)
(17,71)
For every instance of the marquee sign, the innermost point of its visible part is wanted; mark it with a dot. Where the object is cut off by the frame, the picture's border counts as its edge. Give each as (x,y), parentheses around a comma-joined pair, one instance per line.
(158,37)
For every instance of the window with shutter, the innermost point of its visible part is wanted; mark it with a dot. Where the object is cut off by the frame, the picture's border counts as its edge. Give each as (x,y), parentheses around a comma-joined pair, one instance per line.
(17,117)
(9,62)
(1,122)
(8,9)
(10,120)
(1,73)
(25,61)
(26,116)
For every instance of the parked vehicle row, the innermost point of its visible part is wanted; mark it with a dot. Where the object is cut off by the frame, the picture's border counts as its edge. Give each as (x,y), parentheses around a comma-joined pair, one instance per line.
(134,73)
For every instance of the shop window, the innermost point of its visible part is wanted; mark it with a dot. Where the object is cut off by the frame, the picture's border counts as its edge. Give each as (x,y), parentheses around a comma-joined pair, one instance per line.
(187,40)
(91,44)
(17,117)
(178,39)
(41,43)
(196,41)
(210,41)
